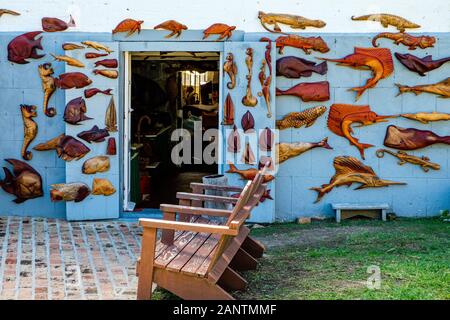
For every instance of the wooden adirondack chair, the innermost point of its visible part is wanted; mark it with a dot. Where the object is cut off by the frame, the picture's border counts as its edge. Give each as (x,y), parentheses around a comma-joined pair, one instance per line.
(197,257)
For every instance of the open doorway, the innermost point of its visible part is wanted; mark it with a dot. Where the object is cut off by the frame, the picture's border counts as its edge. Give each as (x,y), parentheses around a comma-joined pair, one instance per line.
(169,91)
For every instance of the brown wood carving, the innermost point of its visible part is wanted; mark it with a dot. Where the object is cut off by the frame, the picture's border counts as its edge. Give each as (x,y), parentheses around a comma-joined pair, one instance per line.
(248,157)
(24,47)
(55,24)
(249,174)
(425,117)
(223,30)
(441,88)
(350,170)
(294,67)
(420,65)
(423,162)
(128,25)
(295,22)
(234,141)
(71,46)
(231,69)
(11,12)
(172,25)
(95,165)
(308,91)
(247,122)
(249,100)
(112,74)
(107,63)
(102,187)
(70,61)
(111,116)
(75,191)
(111,149)
(24,181)
(97,46)
(94,55)
(285,151)
(266,139)
(411,138)
(75,111)
(266,81)
(67,147)
(30,129)
(72,80)
(95,134)
(406,39)
(228,112)
(306,44)
(342,116)
(306,118)
(88,93)
(388,19)
(48,85)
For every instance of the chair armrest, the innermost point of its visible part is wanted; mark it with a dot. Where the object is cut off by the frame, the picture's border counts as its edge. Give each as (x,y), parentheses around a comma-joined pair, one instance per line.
(203,186)
(186,226)
(204,197)
(194,210)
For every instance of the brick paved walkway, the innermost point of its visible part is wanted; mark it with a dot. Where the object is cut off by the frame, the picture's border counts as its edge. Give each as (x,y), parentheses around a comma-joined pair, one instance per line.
(55,259)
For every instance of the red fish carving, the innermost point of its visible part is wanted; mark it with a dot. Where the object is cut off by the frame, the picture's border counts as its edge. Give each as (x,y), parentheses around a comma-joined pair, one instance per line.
(411,138)
(249,174)
(420,65)
(94,55)
(24,47)
(55,24)
(67,147)
(107,63)
(72,80)
(308,91)
(75,111)
(111,147)
(293,67)
(88,93)
(94,135)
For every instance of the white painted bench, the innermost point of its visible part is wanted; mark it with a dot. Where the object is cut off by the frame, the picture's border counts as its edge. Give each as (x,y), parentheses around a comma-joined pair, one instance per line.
(339,207)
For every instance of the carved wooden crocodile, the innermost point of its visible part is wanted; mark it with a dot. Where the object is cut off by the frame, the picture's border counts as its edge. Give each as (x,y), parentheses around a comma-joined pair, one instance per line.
(295,22)
(389,19)
(424,162)
(408,40)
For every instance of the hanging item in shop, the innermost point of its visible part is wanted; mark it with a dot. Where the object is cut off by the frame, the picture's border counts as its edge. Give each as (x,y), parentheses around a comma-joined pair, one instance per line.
(70,61)
(55,24)
(266,81)
(11,12)
(97,46)
(441,88)
(423,162)
(223,30)
(231,69)
(294,67)
(343,116)
(406,39)
(388,19)
(111,149)
(308,91)
(30,129)
(306,44)
(249,174)
(96,164)
(95,134)
(171,25)
(350,170)
(249,100)
(89,93)
(71,46)
(24,181)
(420,65)
(228,111)
(379,61)
(67,147)
(234,141)
(248,157)
(102,187)
(111,117)
(48,85)
(306,118)
(24,47)
(411,138)
(248,122)
(75,111)
(425,117)
(94,55)
(266,139)
(72,80)
(128,25)
(107,63)
(285,151)
(295,22)
(75,191)
(112,74)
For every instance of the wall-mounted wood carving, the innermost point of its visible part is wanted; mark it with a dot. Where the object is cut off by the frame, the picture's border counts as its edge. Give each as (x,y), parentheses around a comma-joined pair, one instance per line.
(264,80)
(423,162)
(107,63)
(249,100)
(76,191)
(128,25)
(388,19)
(441,88)
(234,141)
(285,151)
(306,118)
(249,174)
(379,61)
(411,138)
(111,149)
(24,181)
(266,139)
(306,44)
(97,46)
(294,67)
(67,147)
(425,117)
(308,91)
(406,39)
(70,61)
(95,165)
(88,93)
(248,157)
(350,170)
(24,47)
(71,46)
(247,122)
(112,74)
(72,80)
(172,25)
(420,65)
(11,12)
(111,116)
(295,22)
(262,162)
(265,196)
(342,116)
(75,111)
(94,55)
(230,68)
(223,30)
(30,129)
(228,111)
(48,85)
(95,134)
(102,187)
(55,24)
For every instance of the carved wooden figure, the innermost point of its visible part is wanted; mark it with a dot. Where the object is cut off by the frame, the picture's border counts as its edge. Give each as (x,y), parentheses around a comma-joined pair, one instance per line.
(423,162)
(285,151)
(111,149)
(249,100)
(249,174)
(67,147)
(71,80)
(425,117)
(308,91)
(306,44)
(89,93)
(128,25)
(223,30)
(266,139)
(96,164)
(94,55)
(350,170)
(97,46)
(306,118)
(411,138)
(30,129)
(102,187)
(112,74)
(266,81)
(234,141)
(388,19)
(55,24)
(173,26)
(71,46)
(247,122)
(70,61)
(248,157)
(293,67)
(48,85)
(420,65)
(228,111)
(24,47)
(111,117)
(24,181)
(75,111)
(441,88)
(406,39)
(295,22)
(95,134)
(75,191)
(107,63)
(11,12)
(230,68)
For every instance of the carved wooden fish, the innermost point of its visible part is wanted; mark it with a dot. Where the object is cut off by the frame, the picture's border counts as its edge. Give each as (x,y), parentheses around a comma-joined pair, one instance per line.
(249,174)
(111,117)
(75,111)
(94,55)
(67,147)
(72,80)
(285,151)
(411,138)
(24,47)
(102,187)
(70,61)
(112,74)
(97,46)
(95,134)
(293,67)
(425,117)
(420,65)
(308,91)
(71,46)
(30,129)
(441,88)
(173,26)
(107,63)
(75,191)
(88,93)
(298,119)
(96,164)
(55,24)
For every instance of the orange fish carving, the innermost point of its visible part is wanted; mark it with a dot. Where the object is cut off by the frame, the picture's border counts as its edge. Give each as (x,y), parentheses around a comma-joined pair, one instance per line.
(128,25)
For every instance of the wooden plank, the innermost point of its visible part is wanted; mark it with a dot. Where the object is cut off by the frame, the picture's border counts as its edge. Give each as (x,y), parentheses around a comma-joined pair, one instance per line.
(195,210)
(243,261)
(167,235)
(232,281)
(202,186)
(253,247)
(177,225)
(194,263)
(161,246)
(144,289)
(205,197)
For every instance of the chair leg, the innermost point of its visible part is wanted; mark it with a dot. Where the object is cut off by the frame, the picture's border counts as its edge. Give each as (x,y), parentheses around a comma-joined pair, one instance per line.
(243,261)
(144,290)
(232,281)
(253,247)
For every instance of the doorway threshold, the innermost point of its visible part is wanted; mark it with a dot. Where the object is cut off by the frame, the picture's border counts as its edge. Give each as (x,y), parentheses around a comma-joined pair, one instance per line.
(144,213)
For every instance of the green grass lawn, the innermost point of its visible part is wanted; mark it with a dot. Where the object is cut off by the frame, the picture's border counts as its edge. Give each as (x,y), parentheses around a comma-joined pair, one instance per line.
(325,260)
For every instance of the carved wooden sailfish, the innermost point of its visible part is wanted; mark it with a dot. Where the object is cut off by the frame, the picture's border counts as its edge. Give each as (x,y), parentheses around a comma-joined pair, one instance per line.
(350,170)
(285,151)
